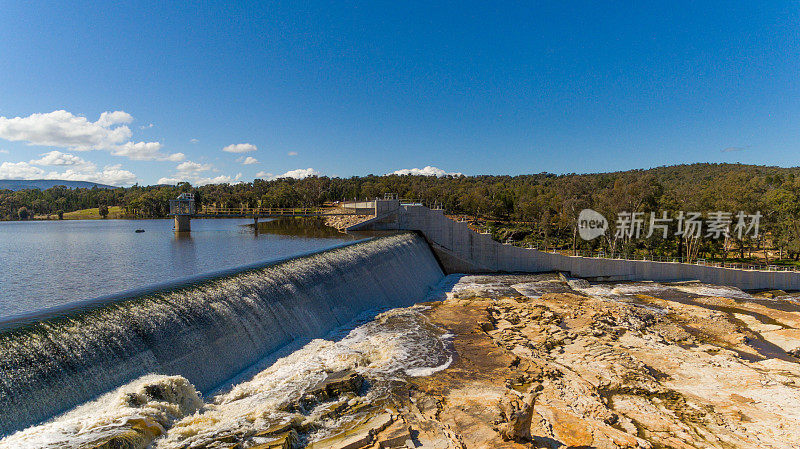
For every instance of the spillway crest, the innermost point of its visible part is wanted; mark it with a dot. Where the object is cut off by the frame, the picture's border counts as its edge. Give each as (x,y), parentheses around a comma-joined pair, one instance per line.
(206,331)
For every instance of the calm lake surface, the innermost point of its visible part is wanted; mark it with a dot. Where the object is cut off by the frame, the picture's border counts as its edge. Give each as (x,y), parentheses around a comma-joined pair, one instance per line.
(48,263)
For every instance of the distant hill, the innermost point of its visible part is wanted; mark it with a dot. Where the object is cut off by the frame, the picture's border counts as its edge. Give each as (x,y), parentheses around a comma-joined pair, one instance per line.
(43,184)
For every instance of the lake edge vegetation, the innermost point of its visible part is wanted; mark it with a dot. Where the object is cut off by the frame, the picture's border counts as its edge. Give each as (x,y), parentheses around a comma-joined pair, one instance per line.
(538,210)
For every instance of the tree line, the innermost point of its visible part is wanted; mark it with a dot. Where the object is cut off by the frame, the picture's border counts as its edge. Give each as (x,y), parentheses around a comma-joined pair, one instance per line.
(538,209)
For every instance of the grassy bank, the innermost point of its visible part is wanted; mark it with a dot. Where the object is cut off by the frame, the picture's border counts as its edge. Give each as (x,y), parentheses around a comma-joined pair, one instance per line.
(86,214)
(93,213)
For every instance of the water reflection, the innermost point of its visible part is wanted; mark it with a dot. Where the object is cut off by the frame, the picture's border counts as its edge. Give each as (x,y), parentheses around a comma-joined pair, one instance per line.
(184,252)
(308,227)
(47,263)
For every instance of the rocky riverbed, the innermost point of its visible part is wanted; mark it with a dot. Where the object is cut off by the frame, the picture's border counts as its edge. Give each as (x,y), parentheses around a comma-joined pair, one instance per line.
(500,361)
(548,363)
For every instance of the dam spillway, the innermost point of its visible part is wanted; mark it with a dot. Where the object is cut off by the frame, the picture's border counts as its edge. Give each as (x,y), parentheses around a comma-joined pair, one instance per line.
(207,331)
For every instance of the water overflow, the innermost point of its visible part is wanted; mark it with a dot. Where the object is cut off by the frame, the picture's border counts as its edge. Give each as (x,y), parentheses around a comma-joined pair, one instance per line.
(207,331)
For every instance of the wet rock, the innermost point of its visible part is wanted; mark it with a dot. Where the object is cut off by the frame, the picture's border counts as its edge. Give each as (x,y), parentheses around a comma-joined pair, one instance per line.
(285,440)
(577,284)
(139,434)
(361,436)
(769,294)
(334,386)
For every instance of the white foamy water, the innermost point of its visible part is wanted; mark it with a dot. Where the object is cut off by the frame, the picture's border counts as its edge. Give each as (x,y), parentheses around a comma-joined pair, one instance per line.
(152,402)
(397,344)
(713,290)
(495,286)
(539,288)
(619,291)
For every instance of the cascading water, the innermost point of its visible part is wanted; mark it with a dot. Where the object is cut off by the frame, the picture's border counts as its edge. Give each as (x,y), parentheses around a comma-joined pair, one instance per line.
(206,331)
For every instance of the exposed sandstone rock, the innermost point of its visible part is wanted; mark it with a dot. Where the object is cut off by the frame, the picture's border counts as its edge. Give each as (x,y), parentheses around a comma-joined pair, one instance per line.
(517,411)
(662,369)
(358,437)
(335,220)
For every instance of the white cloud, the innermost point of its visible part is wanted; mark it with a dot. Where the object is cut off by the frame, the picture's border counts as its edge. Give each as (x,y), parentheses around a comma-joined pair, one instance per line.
(201,181)
(193,167)
(63,129)
(299,173)
(193,140)
(292,153)
(20,170)
(3,151)
(56,157)
(146,151)
(732,149)
(192,172)
(111,174)
(113,118)
(147,126)
(427,171)
(66,130)
(240,148)
(77,169)
(247,160)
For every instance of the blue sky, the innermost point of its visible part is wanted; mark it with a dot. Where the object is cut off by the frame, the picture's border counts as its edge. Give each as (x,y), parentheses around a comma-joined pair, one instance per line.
(347,88)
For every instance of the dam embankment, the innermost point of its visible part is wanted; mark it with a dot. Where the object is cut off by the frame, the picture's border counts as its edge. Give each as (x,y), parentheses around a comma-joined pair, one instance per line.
(206,331)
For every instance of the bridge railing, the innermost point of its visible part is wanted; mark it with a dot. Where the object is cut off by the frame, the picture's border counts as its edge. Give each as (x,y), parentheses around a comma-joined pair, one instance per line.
(273,211)
(435,205)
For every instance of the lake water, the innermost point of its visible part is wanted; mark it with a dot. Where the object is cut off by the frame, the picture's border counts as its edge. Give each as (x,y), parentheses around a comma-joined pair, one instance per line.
(49,263)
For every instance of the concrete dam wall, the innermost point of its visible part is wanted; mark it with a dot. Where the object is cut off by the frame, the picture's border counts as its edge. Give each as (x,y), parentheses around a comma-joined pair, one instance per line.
(207,331)
(462,250)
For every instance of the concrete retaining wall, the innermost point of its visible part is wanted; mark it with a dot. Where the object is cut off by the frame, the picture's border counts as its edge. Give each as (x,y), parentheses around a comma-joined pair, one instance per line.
(461,249)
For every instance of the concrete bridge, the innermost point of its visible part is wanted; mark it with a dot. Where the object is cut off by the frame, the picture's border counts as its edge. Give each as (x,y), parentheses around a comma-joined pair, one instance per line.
(462,250)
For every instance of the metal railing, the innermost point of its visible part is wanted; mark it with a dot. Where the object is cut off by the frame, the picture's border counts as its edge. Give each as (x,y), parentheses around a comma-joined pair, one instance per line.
(263,211)
(651,258)
(436,205)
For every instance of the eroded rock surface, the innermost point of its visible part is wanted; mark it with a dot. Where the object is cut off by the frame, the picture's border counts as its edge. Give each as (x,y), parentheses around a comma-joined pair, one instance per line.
(613,366)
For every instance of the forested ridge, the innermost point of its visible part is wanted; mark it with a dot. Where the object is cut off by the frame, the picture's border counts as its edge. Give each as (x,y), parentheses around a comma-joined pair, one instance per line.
(539,209)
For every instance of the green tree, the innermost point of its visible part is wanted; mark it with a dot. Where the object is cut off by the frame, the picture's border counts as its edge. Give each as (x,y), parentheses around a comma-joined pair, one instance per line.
(103,209)
(23,213)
